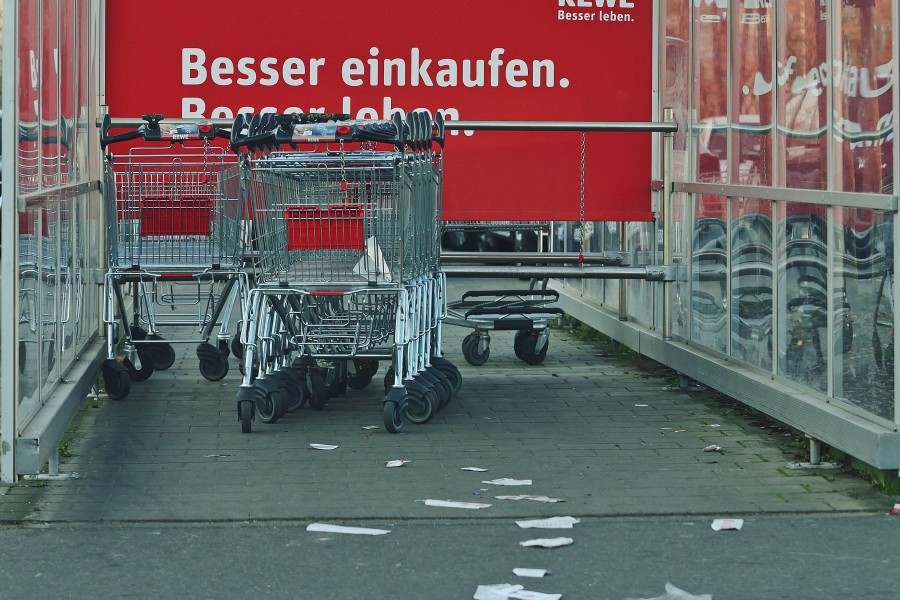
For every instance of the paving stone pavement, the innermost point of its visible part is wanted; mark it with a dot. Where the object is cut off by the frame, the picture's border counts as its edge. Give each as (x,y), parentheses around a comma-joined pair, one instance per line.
(596,430)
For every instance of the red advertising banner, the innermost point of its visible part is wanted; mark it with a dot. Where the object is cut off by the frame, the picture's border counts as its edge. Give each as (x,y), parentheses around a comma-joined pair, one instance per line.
(473,60)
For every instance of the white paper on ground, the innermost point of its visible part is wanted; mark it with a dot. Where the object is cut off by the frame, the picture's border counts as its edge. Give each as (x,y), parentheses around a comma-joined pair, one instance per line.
(508,481)
(455,504)
(547,542)
(550,523)
(501,591)
(545,499)
(727,524)
(896,510)
(675,593)
(326,528)
(522,572)
(323,446)
(475,469)
(713,448)
(395,463)
(372,262)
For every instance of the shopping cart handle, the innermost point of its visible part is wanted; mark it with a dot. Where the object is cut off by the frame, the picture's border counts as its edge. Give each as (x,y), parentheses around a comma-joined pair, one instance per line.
(106,139)
(438,136)
(152,121)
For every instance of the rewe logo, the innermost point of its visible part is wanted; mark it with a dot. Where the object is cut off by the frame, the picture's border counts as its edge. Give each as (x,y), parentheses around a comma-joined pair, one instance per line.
(597,3)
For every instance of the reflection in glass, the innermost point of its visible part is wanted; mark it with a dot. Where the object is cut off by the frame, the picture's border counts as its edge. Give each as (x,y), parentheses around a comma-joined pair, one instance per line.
(863,302)
(709,265)
(710,68)
(863,94)
(751,282)
(803,299)
(802,95)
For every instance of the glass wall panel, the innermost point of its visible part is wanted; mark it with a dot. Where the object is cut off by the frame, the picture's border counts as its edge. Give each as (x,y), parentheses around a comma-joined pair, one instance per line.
(640,238)
(752,281)
(710,93)
(802,94)
(681,287)
(751,114)
(802,245)
(709,274)
(863,94)
(863,310)
(51,148)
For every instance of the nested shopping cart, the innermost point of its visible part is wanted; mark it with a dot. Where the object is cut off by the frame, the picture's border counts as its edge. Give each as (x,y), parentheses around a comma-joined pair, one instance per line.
(345,244)
(173,242)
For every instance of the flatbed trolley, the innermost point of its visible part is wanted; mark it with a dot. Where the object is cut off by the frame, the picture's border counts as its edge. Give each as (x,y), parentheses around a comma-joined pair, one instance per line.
(173,240)
(346,264)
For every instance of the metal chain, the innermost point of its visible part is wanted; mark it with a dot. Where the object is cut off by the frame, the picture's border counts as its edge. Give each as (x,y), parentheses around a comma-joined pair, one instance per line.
(581,205)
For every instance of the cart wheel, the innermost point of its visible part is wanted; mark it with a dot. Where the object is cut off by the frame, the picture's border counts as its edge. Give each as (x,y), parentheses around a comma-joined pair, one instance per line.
(453,376)
(335,381)
(116,379)
(318,396)
(146,370)
(365,370)
(299,376)
(224,347)
(393,419)
(471,353)
(137,333)
(442,386)
(213,363)
(525,347)
(422,405)
(245,411)
(269,405)
(162,355)
(237,348)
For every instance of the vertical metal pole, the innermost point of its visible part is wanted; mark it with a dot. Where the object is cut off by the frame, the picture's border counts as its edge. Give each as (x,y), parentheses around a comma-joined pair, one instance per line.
(668,222)
(9,376)
(896,217)
(623,290)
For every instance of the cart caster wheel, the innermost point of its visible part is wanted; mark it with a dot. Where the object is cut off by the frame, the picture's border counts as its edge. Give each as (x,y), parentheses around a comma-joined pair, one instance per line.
(237,348)
(224,348)
(213,363)
(245,409)
(146,370)
(472,354)
(161,354)
(298,393)
(137,333)
(450,371)
(246,401)
(116,379)
(318,393)
(269,404)
(422,403)
(365,371)
(525,346)
(394,409)
(442,386)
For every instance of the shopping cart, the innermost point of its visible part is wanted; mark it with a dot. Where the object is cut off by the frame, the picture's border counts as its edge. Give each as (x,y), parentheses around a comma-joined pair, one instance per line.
(346,264)
(173,241)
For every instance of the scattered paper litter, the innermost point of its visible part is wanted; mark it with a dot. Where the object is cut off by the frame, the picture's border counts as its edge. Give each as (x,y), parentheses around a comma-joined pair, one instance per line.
(713,448)
(896,510)
(547,542)
(549,523)
(323,446)
(508,481)
(455,504)
(370,427)
(727,524)
(675,593)
(326,528)
(475,469)
(501,591)
(529,572)
(395,463)
(545,499)
(216,455)
(642,405)
(713,425)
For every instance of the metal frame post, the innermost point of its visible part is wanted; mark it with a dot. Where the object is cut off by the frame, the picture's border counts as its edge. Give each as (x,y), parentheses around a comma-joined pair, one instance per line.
(668,221)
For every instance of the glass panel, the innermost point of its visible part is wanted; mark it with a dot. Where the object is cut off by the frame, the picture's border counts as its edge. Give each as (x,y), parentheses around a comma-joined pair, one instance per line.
(67,87)
(83,98)
(751,114)
(802,294)
(49,131)
(710,70)
(863,94)
(29,100)
(640,243)
(802,101)
(863,315)
(676,93)
(751,282)
(681,287)
(709,301)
